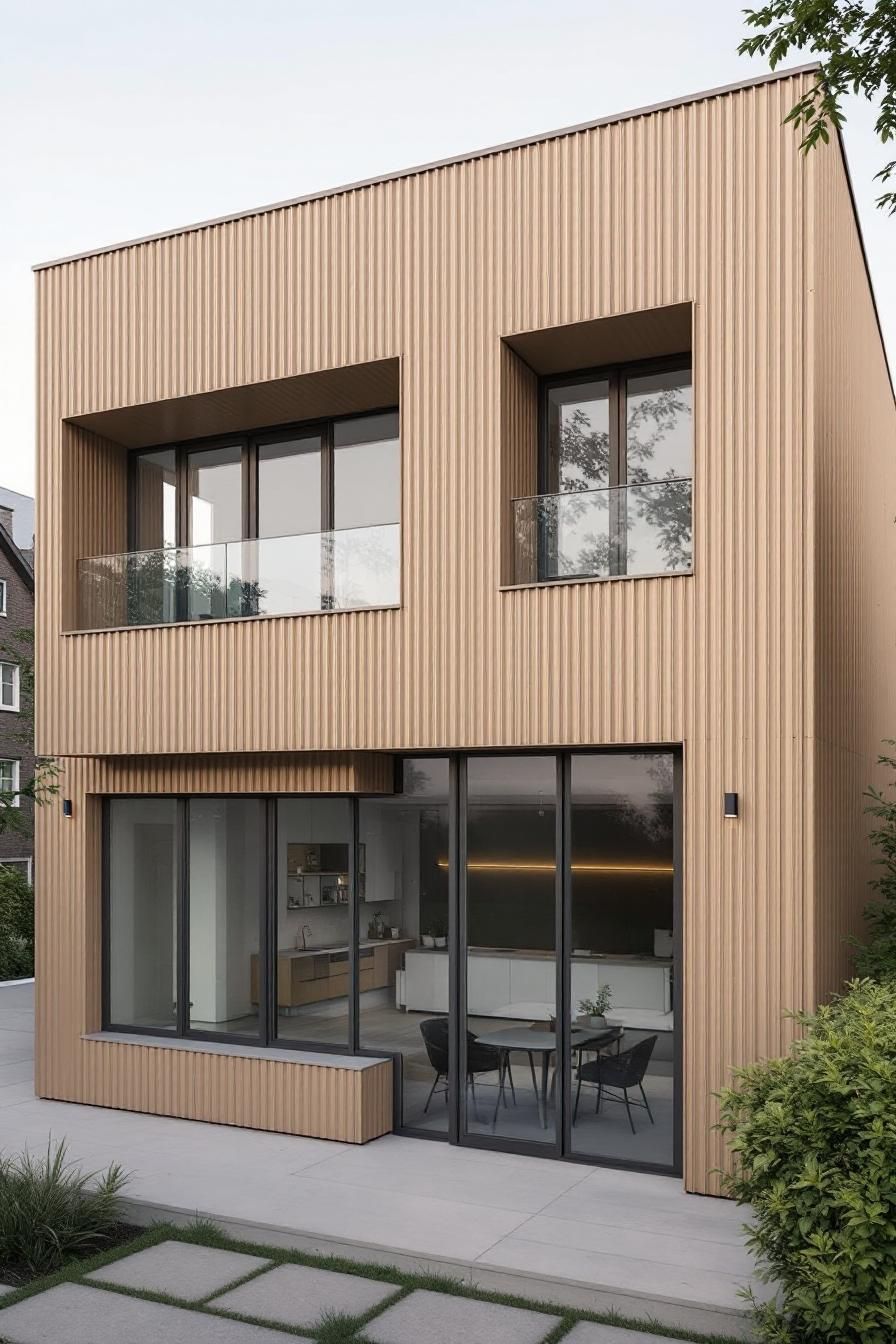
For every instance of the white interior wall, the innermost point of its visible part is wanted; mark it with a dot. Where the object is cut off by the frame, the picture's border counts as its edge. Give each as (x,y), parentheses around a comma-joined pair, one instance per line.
(224,906)
(143,987)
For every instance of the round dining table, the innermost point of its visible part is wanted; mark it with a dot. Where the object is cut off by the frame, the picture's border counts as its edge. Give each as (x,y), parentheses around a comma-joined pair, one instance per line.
(537,1042)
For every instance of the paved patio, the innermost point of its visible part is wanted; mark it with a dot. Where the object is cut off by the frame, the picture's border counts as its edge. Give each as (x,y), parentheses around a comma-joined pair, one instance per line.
(557,1232)
(213,1286)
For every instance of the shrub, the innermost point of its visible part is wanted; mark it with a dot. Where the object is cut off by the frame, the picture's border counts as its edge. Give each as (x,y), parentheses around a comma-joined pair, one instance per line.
(814,1143)
(16,925)
(878,957)
(50,1211)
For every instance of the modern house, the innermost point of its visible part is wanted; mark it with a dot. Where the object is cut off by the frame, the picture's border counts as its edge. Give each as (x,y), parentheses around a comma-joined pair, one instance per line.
(16,716)
(460,592)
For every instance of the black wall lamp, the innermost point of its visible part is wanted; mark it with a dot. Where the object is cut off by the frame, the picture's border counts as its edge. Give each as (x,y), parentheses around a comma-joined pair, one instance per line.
(731,806)
(66,807)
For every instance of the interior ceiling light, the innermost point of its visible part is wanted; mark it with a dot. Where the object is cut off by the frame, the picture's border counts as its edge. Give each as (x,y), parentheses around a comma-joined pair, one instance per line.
(510,865)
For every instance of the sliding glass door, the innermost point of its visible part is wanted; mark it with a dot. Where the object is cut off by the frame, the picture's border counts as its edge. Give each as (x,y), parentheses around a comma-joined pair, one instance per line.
(621,956)
(403,904)
(313,920)
(509,947)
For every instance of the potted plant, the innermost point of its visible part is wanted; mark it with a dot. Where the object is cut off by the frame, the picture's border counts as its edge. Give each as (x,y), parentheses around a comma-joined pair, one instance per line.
(427,940)
(440,933)
(592,1010)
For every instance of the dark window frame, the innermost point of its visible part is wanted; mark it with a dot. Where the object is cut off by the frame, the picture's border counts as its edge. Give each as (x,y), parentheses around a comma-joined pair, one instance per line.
(548,466)
(616,376)
(561,1147)
(249,441)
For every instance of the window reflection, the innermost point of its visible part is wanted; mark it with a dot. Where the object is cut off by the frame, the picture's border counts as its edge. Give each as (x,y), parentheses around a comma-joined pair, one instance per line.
(622,879)
(403,899)
(226,886)
(511,943)
(313,921)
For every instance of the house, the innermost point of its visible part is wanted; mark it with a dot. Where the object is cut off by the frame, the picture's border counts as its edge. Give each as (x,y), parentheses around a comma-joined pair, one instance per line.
(464,596)
(16,718)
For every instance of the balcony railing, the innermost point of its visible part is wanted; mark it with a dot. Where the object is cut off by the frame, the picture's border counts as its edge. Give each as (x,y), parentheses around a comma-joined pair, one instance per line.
(268,576)
(636,529)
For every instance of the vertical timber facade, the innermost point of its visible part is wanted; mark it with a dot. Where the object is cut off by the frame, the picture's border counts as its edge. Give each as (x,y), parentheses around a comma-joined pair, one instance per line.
(770,666)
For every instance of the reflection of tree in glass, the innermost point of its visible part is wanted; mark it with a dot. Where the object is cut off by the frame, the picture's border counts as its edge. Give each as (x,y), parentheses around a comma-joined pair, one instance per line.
(653,818)
(155,587)
(364,564)
(584,453)
(664,504)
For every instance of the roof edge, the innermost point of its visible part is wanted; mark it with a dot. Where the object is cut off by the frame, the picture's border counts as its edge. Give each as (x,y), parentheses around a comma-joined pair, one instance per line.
(468,157)
(14,553)
(865,262)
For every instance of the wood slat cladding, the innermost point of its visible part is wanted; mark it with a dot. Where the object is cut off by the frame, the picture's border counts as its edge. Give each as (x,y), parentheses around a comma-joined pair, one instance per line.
(322,772)
(706,204)
(324,1101)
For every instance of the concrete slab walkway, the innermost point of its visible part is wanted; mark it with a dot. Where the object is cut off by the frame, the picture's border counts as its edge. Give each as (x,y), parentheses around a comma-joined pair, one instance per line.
(293,1296)
(581,1236)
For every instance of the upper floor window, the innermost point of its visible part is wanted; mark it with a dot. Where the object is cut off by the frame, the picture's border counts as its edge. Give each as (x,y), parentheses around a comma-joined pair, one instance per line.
(614,476)
(329,476)
(9,686)
(275,523)
(9,783)
(2,597)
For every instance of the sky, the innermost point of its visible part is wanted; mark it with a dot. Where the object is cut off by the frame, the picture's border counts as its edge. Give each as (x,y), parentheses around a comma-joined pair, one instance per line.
(120,120)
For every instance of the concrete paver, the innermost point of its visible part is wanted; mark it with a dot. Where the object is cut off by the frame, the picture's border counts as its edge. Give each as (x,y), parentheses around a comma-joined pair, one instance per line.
(438,1318)
(179,1269)
(299,1295)
(586,1332)
(74,1314)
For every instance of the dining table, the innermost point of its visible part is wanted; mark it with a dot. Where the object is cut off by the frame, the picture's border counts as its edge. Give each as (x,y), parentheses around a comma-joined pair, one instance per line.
(532,1042)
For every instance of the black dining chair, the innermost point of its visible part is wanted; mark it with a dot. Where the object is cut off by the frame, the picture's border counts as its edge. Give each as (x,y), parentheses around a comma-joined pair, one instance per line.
(480,1058)
(612,1074)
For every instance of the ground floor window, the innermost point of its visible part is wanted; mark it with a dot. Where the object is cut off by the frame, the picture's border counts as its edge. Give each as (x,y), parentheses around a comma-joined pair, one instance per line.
(503,925)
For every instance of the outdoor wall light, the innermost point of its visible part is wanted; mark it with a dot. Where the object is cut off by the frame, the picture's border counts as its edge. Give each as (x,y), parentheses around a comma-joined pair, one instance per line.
(66,807)
(731,805)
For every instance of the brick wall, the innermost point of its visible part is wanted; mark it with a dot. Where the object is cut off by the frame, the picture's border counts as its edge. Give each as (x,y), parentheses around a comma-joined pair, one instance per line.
(17,730)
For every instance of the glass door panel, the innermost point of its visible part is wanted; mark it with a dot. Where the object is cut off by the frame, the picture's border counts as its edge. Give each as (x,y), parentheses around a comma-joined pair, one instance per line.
(226,886)
(655,522)
(621,958)
(215,517)
(314,930)
(288,556)
(215,482)
(403,902)
(155,500)
(577,506)
(510,948)
(142,933)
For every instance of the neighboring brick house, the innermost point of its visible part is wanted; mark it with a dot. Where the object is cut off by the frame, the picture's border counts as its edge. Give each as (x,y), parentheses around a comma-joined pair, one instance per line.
(16,712)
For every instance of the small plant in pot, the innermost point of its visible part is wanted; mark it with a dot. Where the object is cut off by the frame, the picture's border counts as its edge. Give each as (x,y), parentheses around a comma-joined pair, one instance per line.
(440,933)
(591,1011)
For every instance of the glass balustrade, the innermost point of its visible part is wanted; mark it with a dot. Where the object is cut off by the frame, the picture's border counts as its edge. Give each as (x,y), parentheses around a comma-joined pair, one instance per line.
(635,529)
(269,576)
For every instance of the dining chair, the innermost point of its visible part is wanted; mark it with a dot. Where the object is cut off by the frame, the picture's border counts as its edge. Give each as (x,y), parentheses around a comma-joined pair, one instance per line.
(612,1074)
(480,1059)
